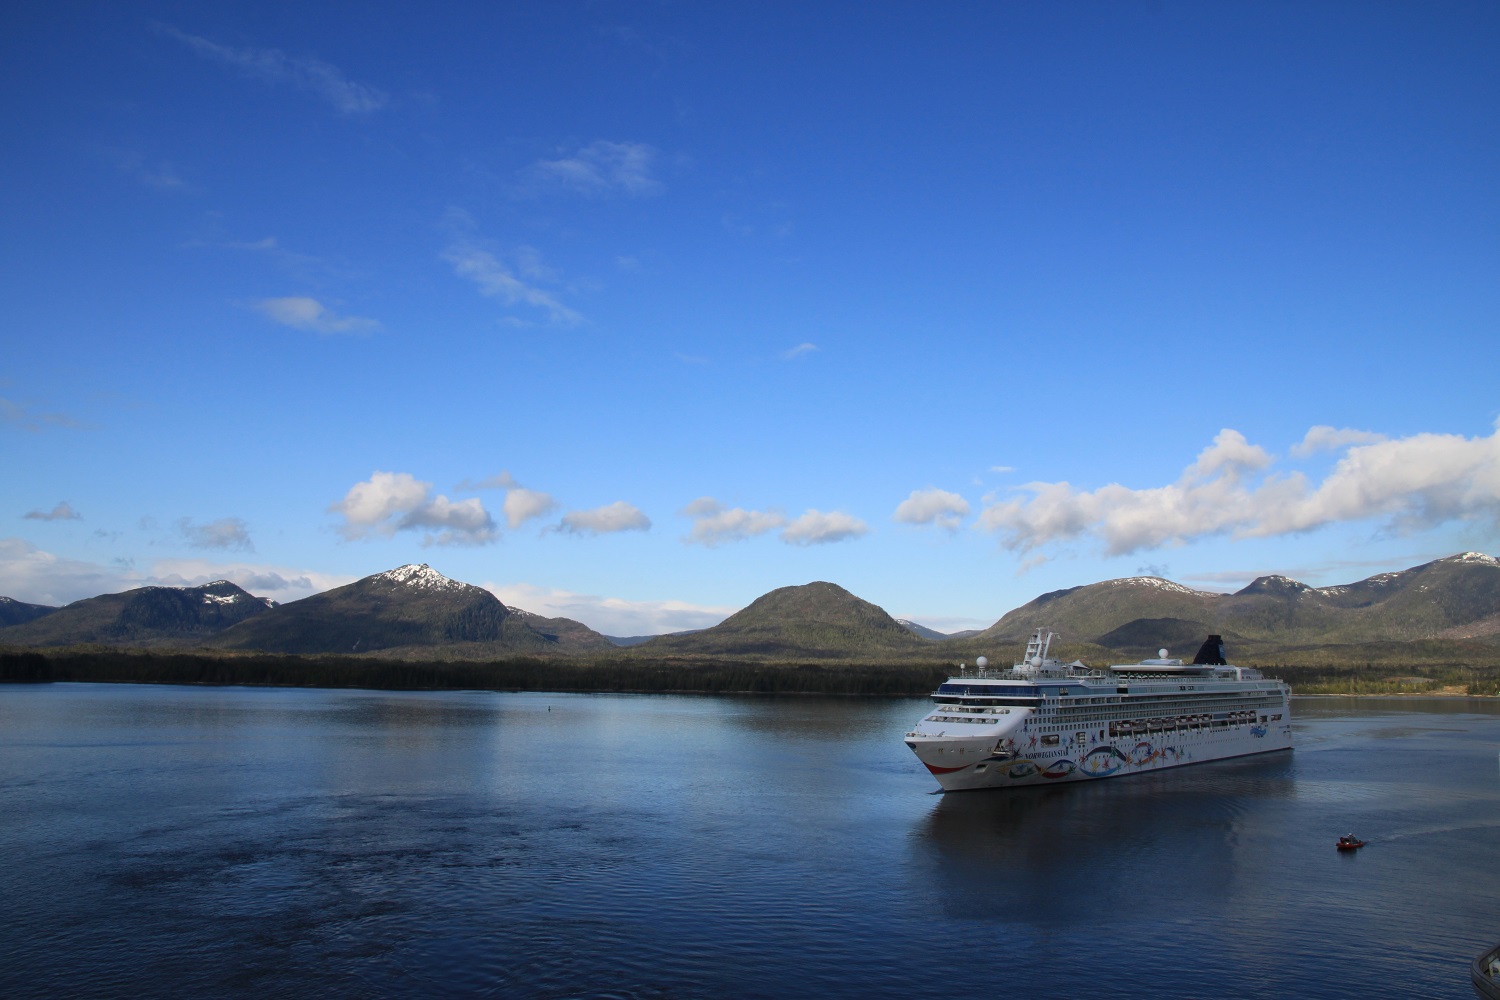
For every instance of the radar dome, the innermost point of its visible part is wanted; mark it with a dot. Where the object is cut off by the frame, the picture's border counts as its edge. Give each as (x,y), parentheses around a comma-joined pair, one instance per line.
(1162,653)
(982,662)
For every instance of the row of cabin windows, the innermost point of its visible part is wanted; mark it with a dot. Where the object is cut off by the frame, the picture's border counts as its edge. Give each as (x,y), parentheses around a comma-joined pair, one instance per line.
(1134,726)
(1180,708)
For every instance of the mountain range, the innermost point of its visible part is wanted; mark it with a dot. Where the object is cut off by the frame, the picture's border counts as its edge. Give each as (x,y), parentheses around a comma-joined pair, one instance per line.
(1450,606)
(148,616)
(1456,598)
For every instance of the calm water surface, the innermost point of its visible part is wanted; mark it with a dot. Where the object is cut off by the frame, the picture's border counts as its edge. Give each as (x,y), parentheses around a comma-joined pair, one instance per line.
(160,841)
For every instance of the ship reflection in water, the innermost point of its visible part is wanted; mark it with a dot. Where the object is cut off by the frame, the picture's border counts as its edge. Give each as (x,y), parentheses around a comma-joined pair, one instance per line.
(1027,854)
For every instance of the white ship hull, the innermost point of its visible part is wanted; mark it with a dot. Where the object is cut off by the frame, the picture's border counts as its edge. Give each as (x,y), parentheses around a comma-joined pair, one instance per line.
(1043,722)
(961,765)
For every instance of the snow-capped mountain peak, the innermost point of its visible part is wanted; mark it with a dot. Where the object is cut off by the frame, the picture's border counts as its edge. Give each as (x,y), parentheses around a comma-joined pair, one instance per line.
(1153,581)
(420,576)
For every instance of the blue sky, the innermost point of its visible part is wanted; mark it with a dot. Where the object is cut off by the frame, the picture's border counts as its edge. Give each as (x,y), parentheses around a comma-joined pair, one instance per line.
(635,311)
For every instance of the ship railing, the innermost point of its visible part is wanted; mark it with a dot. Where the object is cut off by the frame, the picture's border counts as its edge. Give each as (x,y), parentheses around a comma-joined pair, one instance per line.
(1012,673)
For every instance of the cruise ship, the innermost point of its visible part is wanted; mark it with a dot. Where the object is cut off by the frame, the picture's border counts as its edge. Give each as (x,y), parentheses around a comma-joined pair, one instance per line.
(1043,721)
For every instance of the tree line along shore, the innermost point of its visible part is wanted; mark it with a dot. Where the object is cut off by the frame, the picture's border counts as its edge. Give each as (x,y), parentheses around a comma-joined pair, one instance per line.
(628,674)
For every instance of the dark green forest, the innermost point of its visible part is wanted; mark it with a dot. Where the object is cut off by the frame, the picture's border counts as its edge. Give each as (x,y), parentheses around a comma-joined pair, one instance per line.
(512,674)
(631,674)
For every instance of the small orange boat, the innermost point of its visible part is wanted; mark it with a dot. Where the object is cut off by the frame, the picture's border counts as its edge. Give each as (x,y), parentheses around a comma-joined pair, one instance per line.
(1350,842)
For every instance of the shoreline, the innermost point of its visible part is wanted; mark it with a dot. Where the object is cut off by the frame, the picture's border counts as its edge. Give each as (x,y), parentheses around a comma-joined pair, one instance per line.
(629,675)
(1445,695)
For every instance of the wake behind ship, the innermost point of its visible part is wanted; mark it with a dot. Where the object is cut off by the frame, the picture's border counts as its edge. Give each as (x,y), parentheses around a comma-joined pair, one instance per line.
(1044,721)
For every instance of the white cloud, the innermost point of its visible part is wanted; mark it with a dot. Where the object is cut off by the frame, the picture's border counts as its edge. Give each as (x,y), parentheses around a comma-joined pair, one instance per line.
(62,512)
(463,523)
(37,577)
(29,574)
(610,615)
(395,501)
(799,351)
(1415,483)
(373,505)
(1314,574)
(280,583)
(1325,438)
(1208,498)
(521,505)
(815,527)
(601,168)
(302,72)
(496,280)
(617,516)
(1412,483)
(932,506)
(303,313)
(225,533)
(949,623)
(714,524)
(1230,455)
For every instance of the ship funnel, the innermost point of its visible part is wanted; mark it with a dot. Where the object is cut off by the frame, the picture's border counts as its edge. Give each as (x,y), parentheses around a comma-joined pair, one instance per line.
(1211,653)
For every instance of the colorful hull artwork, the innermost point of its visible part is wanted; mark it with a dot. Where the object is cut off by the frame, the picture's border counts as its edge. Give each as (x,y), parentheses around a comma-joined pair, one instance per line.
(1103,761)
(1099,762)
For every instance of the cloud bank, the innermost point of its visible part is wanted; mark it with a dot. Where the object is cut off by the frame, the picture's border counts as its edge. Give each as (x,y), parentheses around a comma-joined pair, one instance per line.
(610,615)
(30,574)
(1406,484)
